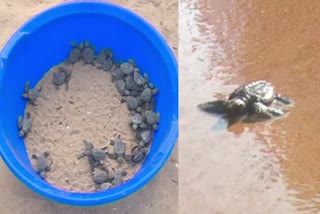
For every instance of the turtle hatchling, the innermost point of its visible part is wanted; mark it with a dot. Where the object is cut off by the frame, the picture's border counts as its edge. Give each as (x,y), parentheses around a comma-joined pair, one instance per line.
(62,76)
(104,60)
(131,84)
(146,136)
(138,154)
(31,94)
(75,52)
(101,58)
(107,65)
(132,103)
(151,118)
(136,121)
(147,94)
(118,177)
(117,74)
(99,176)
(126,68)
(120,86)
(250,103)
(105,186)
(24,124)
(138,78)
(97,154)
(88,53)
(119,150)
(42,165)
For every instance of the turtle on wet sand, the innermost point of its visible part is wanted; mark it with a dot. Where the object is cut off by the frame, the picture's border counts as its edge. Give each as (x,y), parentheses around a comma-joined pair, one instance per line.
(31,94)
(42,165)
(250,103)
(24,124)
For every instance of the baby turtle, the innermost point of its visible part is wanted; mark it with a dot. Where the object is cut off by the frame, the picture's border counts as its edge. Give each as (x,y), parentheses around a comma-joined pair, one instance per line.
(101,58)
(138,78)
(105,186)
(120,86)
(151,118)
(31,94)
(146,136)
(131,84)
(104,60)
(117,74)
(119,150)
(42,165)
(75,53)
(147,93)
(126,68)
(136,121)
(88,53)
(99,176)
(150,105)
(132,103)
(249,103)
(117,177)
(138,154)
(62,76)
(97,154)
(24,124)
(107,65)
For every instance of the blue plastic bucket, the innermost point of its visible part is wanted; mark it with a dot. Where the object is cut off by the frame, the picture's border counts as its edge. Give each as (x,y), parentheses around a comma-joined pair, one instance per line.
(43,42)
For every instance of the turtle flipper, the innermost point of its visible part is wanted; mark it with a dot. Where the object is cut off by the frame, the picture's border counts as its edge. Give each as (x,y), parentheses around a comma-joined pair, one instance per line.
(260,112)
(20,122)
(26,86)
(283,99)
(216,107)
(232,121)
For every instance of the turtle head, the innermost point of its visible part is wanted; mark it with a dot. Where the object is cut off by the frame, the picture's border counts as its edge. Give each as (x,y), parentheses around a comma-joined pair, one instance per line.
(235,107)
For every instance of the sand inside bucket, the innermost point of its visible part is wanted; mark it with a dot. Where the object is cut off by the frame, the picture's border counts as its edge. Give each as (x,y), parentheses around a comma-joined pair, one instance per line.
(90,109)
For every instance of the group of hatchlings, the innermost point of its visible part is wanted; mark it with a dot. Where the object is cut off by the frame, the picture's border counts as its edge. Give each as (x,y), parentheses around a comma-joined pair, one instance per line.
(136,90)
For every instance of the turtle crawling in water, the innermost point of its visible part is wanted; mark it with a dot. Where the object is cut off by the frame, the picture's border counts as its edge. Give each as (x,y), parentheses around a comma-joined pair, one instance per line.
(250,103)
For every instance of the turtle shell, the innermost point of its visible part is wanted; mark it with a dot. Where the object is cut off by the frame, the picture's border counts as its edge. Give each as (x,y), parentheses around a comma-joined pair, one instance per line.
(33,94)
(119,147)
(98,154)
(262,90)
(26,125)
(100,176)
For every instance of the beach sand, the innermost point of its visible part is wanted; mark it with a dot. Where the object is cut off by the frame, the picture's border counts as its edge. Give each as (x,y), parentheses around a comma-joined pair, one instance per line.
(90,109)
(161,194)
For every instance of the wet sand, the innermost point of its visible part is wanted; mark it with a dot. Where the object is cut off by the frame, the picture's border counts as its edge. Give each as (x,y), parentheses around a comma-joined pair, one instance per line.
(161,194)
(268,167)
